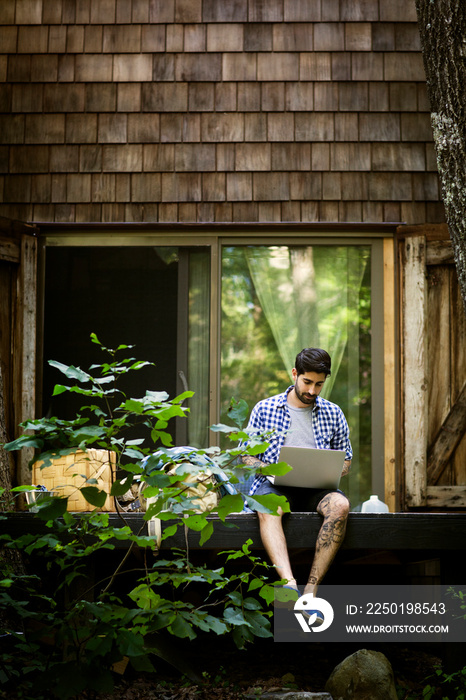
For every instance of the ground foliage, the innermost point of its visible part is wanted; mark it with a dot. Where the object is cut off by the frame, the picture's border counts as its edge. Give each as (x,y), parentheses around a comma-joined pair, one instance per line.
(269,667)
(230,674)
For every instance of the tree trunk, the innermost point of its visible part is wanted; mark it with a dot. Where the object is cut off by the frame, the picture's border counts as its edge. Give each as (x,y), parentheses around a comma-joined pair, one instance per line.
(442,27)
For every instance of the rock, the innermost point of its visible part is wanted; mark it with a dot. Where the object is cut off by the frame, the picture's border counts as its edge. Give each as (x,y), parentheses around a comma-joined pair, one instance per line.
(365,675)
(288,679)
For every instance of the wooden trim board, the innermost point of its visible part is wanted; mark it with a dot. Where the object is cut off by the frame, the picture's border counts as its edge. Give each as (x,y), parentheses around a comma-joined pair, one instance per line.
(415,379)
(390,531)
(389,374)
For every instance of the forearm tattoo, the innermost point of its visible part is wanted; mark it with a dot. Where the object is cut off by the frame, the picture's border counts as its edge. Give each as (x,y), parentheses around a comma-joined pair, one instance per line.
(251,461)
(346,467)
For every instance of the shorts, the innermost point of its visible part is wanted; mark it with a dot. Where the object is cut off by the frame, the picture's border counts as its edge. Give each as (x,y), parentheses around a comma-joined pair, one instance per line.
(301,500)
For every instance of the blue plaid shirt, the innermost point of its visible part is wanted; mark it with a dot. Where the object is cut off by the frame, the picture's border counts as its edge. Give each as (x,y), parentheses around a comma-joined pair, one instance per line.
(328,421)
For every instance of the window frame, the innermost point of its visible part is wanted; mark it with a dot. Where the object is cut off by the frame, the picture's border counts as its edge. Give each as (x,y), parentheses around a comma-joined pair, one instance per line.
(384,324)
(377,332)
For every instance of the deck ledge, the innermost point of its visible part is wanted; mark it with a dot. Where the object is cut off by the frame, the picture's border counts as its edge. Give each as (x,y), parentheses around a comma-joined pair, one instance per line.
(392,531)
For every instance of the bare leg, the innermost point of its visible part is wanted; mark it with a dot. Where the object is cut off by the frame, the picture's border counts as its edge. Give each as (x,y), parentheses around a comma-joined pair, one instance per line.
(334,508)
(273,539)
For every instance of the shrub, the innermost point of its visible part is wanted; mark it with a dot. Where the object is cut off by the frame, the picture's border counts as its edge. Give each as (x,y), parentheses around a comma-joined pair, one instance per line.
(65,632)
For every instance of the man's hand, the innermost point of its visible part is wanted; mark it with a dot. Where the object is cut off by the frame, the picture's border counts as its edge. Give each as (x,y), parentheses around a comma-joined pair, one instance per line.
(346,467)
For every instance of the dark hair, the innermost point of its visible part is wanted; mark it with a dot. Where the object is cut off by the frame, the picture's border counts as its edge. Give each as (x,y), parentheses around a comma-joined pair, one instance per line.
(313,360)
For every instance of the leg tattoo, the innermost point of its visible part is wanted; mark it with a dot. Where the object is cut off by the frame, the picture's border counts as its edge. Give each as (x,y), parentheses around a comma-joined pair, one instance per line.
(332,532)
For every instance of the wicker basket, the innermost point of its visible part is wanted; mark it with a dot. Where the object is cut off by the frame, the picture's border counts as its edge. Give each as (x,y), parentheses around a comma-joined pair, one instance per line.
(66,475)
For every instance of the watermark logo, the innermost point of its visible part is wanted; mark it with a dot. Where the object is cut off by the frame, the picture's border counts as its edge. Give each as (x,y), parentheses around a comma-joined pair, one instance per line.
(313,614)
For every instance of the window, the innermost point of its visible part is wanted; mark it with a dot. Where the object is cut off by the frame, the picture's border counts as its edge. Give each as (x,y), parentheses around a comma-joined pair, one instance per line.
(153,297)
(225,316)
(279,299)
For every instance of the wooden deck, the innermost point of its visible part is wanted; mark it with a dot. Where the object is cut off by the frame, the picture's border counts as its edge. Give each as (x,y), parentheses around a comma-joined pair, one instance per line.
(444,532)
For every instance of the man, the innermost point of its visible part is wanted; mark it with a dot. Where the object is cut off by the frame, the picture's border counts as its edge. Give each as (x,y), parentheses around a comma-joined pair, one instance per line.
(302,418)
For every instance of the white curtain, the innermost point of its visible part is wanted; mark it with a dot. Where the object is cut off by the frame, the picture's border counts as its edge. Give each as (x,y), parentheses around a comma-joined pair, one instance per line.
(310,297)
(277,300)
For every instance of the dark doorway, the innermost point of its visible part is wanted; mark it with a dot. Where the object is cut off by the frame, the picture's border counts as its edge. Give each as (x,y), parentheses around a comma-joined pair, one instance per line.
(125,295)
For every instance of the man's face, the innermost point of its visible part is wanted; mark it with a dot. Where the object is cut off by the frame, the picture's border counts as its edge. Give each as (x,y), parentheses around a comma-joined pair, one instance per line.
(307,386)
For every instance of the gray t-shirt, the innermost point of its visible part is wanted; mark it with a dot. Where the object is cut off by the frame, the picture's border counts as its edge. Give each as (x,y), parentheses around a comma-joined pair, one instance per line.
(301,432)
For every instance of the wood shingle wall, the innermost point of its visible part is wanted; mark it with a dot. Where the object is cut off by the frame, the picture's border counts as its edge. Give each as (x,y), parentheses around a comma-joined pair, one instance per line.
(214,110)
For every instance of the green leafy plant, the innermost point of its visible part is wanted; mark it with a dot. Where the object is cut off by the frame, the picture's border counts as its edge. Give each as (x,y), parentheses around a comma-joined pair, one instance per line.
(440,684)
(64,632)
(445,686)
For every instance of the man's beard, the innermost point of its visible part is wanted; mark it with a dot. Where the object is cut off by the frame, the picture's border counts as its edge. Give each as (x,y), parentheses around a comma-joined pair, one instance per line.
(304,398)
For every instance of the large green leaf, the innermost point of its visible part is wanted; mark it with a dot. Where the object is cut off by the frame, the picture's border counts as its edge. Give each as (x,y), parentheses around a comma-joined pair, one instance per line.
(223,428)
(94,496)
(277,469)
(131,643)
(268,593)
(54,509)
(268,503)
(134,405)
(206,532)
(145,597)
(121,486)
(181,628)
(24,441)
(209,623)
(235,616)
(259,623)
(169,531)
(232,503)
(183,396)
(71,372)
(238,411)
(195,522)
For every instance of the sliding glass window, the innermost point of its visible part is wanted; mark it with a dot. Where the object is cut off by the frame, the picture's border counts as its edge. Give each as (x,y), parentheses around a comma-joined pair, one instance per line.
(279,299)
(225,317)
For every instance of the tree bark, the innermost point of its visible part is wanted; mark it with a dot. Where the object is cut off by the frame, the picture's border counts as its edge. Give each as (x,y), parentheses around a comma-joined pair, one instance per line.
(442,27)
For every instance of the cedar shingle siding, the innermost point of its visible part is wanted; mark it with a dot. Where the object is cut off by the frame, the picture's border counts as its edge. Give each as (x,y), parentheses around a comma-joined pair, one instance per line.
(208,110)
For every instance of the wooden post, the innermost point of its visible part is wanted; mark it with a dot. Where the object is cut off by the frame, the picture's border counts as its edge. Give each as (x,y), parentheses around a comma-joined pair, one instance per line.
(389,374)
(24,355)
(414,370)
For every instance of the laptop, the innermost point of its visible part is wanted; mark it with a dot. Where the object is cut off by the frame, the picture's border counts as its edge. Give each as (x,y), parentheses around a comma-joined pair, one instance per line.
(312,468)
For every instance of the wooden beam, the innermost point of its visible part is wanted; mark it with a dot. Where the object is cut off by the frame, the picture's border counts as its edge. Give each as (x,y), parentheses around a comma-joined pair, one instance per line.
(432,232)
(24,355)
(447,440)
(440,253)
(14,228)
(415,370)
(376,531)
(389,373)
(10,249)
(450,497)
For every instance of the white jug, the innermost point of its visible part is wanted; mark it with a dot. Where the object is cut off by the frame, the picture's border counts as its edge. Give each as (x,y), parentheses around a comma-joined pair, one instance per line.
(373,505)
